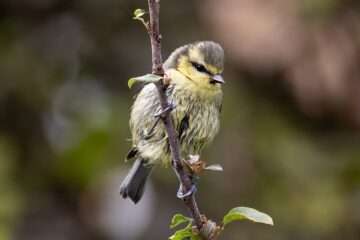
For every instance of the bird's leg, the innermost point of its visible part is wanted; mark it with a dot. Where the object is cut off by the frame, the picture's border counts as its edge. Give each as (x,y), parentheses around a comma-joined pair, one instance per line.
(158,116)
(181,192)
(150,133)
(194,166)
(162,113)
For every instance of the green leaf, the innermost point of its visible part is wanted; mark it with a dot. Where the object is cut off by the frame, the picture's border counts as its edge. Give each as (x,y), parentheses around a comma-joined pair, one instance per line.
(181,234)
(179,219)
(241,213)
(185,233)
(148,78)
(138,13)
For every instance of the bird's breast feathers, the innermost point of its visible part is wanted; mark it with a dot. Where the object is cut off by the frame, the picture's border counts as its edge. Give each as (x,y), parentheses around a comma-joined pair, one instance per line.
(200,108)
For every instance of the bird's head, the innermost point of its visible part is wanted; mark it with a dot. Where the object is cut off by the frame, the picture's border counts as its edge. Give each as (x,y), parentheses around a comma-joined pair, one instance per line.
(201,63)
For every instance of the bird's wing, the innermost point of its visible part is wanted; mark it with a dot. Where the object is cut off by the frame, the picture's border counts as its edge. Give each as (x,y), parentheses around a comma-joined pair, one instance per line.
(143,123)
(183,126)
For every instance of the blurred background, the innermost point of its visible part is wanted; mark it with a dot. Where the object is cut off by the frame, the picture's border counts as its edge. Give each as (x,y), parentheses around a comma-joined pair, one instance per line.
(289,142)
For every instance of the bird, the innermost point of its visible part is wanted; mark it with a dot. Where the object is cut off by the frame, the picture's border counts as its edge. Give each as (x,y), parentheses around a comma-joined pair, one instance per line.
(195,90)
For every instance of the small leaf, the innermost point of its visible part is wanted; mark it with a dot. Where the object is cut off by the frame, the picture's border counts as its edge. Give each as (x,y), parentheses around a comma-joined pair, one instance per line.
(215,167)
(179,219)
(138,13)
(241,213)
(185,234)
(148,78)
(181,234)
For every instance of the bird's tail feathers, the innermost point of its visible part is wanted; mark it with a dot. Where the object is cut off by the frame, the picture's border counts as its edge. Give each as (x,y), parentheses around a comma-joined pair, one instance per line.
(134,183)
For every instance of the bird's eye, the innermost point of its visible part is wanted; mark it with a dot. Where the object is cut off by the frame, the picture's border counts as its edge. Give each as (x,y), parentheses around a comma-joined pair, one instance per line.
(199,67)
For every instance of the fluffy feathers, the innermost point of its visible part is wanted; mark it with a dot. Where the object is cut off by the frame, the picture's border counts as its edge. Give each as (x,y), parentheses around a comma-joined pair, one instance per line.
(196,116)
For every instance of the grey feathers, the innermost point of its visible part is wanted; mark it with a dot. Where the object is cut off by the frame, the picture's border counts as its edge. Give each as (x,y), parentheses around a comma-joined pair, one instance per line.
(134,183)
(213,54)
(172,60)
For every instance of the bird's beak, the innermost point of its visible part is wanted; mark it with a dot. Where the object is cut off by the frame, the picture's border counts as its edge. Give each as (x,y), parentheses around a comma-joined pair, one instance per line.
(217,79)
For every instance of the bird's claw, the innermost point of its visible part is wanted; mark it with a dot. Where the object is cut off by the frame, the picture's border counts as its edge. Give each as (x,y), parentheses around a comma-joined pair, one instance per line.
(162,113)
(158,115)
(180,194)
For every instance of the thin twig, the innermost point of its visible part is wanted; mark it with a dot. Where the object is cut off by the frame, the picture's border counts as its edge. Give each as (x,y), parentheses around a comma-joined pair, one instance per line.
(182,174)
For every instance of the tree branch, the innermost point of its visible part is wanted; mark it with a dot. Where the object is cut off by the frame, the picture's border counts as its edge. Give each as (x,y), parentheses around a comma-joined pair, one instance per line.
(182,174)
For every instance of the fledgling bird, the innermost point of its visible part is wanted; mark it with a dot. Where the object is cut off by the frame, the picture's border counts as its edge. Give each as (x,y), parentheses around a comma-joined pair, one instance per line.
(195,77)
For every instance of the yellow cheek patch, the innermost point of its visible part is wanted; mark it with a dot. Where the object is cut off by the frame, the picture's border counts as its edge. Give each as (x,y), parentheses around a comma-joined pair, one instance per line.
(192,79)
(185,66)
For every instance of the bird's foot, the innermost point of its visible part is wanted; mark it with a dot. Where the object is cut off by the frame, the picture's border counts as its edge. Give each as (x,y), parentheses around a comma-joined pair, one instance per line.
(181,194)
(150,133)
(162,113)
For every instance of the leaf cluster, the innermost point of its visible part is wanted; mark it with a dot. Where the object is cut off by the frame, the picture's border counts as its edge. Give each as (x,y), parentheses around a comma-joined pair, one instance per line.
(235,214)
